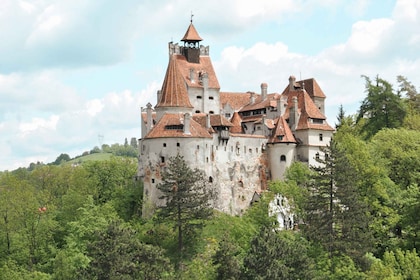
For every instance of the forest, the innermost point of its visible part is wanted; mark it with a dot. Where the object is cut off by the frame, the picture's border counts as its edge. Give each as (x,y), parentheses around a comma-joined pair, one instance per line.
(357,216)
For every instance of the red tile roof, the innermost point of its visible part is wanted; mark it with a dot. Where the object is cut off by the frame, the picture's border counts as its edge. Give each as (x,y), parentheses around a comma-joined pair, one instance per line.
(282,133)
(307,109)
(191,34)
(174,92)
(312,88)
(160,129)
(215,120)
(270,101)
(204,66)
(236,100)
(236,121)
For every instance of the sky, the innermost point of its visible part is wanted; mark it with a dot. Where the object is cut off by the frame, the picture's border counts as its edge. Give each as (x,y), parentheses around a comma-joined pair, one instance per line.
(74,74)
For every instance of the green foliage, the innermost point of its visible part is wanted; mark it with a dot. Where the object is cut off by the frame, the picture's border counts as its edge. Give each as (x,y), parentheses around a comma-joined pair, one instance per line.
(227,261)
(275,255)
(399,150)
(187,197)
(116,253)
(382,108)
(336,214)
(61,159)
(396,264)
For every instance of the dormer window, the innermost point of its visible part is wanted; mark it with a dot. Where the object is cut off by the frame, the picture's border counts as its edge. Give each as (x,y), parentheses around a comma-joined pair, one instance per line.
(175,127)
(318,121)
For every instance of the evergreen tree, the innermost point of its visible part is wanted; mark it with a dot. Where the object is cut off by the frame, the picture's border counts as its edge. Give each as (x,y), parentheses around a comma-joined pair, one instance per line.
(337,215)
(116,253)
(275,255)
(227,261)
(187,195)
(382,108)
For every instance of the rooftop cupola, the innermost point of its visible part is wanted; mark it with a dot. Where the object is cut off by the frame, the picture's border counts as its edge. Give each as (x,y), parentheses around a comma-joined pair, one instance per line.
(191,41)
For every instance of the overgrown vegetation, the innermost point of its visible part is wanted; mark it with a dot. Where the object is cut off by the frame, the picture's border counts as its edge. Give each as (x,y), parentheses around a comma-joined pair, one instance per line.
(356,216)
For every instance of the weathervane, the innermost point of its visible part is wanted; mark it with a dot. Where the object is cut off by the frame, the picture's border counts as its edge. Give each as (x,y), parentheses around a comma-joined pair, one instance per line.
(191,16)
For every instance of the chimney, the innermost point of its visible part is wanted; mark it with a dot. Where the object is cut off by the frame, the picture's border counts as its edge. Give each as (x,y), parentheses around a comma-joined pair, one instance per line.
(205,80)
(293,115)
(264,91)
(192,76)
(208,123)
(159,93)
(292,81)
(187,121)
(252,97)
(149,124)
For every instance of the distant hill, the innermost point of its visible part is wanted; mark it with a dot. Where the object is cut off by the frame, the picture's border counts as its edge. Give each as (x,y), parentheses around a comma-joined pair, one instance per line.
(90,157)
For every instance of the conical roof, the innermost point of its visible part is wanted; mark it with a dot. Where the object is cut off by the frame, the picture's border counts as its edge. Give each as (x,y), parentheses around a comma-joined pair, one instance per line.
(174,91)
(191,34)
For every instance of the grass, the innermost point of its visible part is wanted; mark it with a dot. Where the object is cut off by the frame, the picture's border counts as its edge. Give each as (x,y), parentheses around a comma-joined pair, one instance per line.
(91,157)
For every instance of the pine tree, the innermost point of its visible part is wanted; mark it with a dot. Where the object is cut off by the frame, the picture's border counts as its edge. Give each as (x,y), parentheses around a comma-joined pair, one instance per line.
(337,215)
(382,108)
(188,197)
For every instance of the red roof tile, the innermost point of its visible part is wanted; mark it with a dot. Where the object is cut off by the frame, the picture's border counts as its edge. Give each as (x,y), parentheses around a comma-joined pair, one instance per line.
(215,120)
(160,130)
(174,92)
(282,133)
(236,121)
(236,100)
(191,34)
(270,101)
(312,88)
(204,66)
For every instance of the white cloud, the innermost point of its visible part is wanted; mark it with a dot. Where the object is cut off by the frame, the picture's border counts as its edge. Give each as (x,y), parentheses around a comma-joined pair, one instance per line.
(39,124)
(367,37)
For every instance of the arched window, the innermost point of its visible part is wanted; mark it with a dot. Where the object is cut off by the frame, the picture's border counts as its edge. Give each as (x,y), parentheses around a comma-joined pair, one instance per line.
(282,158)
(210,179)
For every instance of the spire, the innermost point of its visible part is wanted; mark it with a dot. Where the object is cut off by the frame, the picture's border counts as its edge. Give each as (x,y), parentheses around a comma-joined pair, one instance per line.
(191,35)
(174,91)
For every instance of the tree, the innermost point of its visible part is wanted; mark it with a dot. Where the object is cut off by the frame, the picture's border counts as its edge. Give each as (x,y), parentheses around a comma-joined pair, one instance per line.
(117,253)
(382,108)
(273,255)
(61,158)
(227,261)
(336,214)
(187,195)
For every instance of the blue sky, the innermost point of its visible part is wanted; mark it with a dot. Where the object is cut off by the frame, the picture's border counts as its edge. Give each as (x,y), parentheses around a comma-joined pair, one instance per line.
(71,70)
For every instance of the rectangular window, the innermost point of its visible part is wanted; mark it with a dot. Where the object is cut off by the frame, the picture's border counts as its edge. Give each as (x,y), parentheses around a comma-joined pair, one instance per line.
(321,137)
(177,144)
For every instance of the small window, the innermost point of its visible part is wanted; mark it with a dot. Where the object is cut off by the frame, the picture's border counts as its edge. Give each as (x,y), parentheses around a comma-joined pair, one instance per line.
(178,145)
(197,111)
(227,115)
(162,159)
(211,112)
(211,97)
(210,179)
(199,97)
(282,158)
(153,181)
(321,137)
(317,156)
(241,184)
(164,144)
(198,147)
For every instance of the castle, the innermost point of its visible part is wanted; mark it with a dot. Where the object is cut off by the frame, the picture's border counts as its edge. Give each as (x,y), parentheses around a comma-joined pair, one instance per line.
(241,140)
